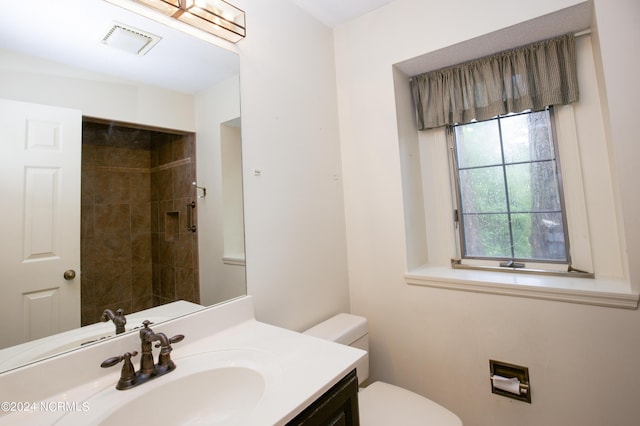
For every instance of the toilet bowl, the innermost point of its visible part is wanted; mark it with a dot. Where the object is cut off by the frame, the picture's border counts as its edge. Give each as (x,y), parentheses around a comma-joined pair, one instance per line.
(381,403)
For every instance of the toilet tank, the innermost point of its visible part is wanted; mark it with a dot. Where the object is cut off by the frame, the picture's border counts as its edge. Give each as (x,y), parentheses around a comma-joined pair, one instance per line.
(350,330)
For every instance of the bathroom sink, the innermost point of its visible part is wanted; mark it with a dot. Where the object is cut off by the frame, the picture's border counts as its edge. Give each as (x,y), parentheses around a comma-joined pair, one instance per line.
(212,388)
(218,396)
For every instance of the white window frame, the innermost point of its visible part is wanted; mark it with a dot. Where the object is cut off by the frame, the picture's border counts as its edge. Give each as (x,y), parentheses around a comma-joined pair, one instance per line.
(530,265)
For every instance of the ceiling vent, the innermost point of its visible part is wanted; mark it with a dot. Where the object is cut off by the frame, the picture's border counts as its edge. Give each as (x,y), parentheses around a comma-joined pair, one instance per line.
(130,39)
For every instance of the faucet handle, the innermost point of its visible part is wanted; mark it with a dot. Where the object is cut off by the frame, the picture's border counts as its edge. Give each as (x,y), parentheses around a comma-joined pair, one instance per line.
(128,373)
(110,362)
(175,339)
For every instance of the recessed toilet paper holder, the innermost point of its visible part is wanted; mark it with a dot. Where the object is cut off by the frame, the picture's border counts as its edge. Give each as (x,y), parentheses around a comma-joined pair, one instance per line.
(509,380)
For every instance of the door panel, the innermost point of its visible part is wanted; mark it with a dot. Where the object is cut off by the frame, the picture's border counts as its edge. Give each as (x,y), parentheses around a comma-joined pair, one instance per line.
(40,161)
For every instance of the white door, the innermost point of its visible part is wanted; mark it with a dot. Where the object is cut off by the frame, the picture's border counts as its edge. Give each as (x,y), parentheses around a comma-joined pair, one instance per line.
(40,165)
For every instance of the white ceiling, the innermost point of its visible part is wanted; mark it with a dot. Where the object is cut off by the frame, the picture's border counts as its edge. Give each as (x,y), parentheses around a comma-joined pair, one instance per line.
(70,32)
(336,12)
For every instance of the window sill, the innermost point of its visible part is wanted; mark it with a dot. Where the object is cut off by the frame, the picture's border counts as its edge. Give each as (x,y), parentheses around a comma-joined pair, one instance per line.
(607,292)
(232,260)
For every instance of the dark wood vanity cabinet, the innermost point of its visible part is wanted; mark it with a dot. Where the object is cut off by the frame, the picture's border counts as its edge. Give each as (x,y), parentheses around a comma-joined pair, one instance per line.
(337,407)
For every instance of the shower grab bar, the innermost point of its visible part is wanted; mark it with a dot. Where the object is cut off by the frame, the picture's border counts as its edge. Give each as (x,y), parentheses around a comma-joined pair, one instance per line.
(190,226)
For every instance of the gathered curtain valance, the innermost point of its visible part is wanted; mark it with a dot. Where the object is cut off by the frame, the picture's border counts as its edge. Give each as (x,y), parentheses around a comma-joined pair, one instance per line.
(529,77)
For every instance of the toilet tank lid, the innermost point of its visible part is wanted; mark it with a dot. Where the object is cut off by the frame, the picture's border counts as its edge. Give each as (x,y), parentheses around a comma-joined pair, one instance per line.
(342,328)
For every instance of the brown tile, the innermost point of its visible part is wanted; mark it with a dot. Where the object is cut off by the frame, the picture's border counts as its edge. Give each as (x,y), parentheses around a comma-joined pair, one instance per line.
(164,207)
(183,182)
(165,149)
(154,211)
(196,286)
(113,247)
(139,304)
(188,143)
(87,216)
(88,153)
(139,158)
(87,315)
(141,286)
(155,250)
(167,282)
(87,289)
(165,251)
(179,152)
(141,249)
(185,285)
(112,187)
(158,300)
(155,278)
(118,157)
(154,157)
(183,253)
(112,219)
(164,185)
(101,156)
(113,284)
(87,186)
(140,187)
(87,255)
(140,218)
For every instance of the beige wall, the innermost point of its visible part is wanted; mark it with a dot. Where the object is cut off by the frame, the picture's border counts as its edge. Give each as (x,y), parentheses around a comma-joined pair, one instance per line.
(218,280)
(583,360)
(29,79)
(295,232)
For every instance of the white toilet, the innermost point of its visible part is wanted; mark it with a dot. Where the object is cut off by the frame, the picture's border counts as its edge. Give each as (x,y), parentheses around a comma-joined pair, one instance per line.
(381,403)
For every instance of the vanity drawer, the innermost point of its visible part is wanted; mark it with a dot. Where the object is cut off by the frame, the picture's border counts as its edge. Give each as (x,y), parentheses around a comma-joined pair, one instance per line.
(337,407)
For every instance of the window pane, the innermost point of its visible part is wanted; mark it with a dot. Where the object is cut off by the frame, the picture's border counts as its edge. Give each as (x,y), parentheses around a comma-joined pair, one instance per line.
(478,144)
(487,235)
(538,236)
(526,137)
(482,190)
(533,187)
(509,189)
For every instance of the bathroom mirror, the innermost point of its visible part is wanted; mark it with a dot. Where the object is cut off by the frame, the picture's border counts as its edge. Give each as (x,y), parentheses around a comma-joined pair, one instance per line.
(191,89)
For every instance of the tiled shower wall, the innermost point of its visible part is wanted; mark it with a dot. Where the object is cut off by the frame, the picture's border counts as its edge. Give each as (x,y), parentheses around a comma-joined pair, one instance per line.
(136,249)
(174,247)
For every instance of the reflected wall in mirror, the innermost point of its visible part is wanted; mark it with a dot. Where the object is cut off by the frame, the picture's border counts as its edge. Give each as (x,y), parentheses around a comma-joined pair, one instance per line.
(174,115)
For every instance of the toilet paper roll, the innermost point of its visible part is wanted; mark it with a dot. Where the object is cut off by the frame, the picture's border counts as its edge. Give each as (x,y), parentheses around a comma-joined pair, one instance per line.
(511,385)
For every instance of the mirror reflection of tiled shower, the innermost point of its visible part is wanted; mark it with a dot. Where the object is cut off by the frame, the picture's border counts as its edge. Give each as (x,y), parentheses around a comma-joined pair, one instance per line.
(137,249)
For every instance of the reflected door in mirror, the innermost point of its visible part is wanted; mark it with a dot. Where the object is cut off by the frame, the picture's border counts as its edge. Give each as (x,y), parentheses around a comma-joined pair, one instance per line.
(40,171)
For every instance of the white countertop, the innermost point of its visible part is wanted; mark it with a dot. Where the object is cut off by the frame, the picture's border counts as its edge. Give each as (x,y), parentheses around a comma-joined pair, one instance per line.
(301,368)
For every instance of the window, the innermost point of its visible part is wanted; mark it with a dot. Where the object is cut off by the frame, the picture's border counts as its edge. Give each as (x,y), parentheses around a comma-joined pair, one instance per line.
(510,206)
(594,231)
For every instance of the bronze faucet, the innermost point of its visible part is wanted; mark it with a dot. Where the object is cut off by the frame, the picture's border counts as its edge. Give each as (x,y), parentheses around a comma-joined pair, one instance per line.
(118,319)
(148,369)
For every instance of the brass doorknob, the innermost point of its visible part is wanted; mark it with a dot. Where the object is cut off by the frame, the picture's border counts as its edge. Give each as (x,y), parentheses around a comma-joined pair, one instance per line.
(69,274)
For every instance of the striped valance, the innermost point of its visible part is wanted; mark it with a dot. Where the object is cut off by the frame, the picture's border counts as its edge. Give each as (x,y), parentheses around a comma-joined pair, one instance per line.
(531,77)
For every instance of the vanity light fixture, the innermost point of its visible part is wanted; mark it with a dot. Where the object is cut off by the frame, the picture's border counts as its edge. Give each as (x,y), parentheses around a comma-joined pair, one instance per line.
(216,17)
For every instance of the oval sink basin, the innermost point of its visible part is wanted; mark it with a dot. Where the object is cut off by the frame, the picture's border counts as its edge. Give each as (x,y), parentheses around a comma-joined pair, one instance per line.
(214,397)
(213,388)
